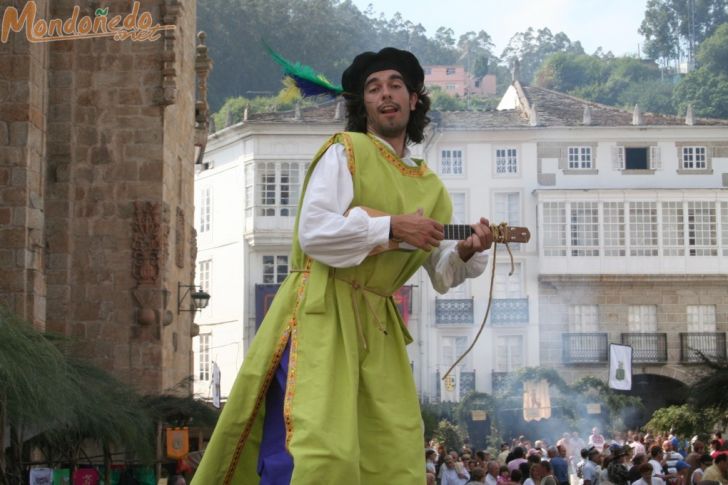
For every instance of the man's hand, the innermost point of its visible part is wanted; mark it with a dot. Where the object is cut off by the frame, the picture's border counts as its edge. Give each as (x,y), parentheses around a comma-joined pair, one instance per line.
(479,241)
(419,231)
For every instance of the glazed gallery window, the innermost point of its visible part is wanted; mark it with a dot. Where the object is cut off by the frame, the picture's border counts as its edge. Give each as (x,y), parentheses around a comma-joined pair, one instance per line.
(451,162)
(275,190)
(275,268)
(554,228)
(635,228)
(584,229)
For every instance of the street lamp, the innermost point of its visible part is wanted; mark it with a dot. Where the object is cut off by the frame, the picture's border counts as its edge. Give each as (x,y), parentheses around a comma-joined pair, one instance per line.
(199,299)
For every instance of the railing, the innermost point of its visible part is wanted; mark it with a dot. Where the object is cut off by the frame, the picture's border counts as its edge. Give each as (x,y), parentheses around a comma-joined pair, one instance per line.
(453,311)
(499,380)
(647,348)
(509,312)
(584,348)
(467,383)
(710,344)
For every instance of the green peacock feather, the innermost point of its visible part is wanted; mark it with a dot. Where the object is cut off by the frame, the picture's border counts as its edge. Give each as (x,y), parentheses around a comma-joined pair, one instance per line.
(306,79)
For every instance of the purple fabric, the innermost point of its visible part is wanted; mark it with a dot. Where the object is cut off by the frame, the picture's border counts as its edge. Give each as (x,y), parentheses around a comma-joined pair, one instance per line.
(275,464)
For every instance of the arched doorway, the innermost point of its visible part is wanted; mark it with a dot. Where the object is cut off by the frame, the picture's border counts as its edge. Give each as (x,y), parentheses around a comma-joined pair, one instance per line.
(655,392)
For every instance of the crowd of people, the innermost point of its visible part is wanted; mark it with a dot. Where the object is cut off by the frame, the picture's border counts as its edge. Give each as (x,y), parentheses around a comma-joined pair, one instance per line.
(630,458)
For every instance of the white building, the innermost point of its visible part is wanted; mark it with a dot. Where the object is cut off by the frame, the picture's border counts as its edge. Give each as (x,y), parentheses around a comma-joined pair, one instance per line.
(627,211)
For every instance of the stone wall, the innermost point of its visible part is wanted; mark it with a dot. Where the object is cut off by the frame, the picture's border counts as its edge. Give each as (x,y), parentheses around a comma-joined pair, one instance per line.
(614,295)
(96,191)
(23,98)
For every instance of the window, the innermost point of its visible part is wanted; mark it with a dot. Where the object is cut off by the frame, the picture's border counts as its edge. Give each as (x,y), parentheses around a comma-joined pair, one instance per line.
(642,318)
(701,318)
(459,215)
(451,162)
(204,274)
(583,318)
(702,237)
(579,157)
(554,228)
(643,228)
(506,161)
(204,354)
(450,71)
(509,353)
(275,268)
(289,187)
(507,207)
(452,348)
(428,71)
(450,87)
(585,229)
(693,158)
(505,286)
(673,229)
(249,184)
(205,209)
(724,224)
(613,227)
(278,187)
(637,158)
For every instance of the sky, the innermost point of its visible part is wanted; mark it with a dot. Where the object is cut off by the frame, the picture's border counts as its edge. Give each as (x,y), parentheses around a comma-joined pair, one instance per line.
(611,24)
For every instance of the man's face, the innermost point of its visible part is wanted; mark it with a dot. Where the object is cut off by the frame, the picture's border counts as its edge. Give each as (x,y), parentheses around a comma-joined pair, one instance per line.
(449,462)
(388,103)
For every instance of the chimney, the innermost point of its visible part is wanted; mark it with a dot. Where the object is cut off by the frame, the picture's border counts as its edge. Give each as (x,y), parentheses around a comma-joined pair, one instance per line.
(689,117)
(637,116)
(297,112)
(245,114)
(211,124)
(587,119)
(516,72)
(533,116)
(337,113)
(229,118)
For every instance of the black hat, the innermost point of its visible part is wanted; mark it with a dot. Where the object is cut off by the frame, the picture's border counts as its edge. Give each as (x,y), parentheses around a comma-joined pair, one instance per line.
(352,80)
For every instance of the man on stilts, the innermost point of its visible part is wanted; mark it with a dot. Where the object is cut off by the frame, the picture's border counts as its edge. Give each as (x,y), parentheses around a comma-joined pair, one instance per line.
(326,394)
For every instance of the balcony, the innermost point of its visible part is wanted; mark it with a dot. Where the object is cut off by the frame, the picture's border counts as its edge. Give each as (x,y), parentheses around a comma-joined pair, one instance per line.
(647,348)
(499,380)
(509,312)
(453,311)
(710,344)
(584,348)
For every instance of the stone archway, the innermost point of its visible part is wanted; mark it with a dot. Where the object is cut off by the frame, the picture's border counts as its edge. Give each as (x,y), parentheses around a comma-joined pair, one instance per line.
(654,391)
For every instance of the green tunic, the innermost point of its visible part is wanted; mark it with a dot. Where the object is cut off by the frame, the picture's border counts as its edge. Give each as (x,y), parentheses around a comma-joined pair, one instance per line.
(351,410)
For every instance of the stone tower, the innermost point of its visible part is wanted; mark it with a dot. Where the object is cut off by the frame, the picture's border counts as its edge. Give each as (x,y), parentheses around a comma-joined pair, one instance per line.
(97,152)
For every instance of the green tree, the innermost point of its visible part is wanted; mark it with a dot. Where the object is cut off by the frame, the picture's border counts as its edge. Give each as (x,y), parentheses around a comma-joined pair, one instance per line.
(686,420)
(706,88)
(531,48)
(450,435)
(669,25)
